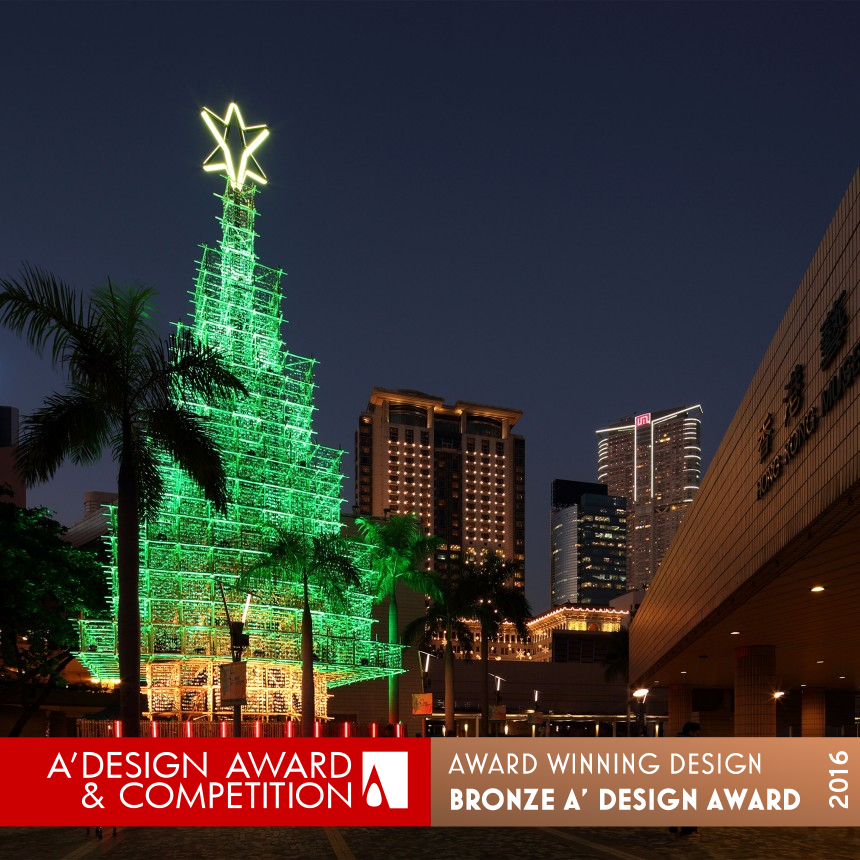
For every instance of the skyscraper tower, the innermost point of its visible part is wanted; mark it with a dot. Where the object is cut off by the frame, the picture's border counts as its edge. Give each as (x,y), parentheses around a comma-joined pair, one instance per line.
(654,460)
(459,468)
(588,531)
(278,476)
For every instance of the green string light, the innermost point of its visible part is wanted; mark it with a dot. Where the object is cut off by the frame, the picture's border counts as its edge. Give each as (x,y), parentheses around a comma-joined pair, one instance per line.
(278,475)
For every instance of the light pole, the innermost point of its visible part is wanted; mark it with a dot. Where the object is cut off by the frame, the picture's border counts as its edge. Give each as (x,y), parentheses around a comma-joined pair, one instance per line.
(640,695)
(499,680)
(424,670)
(239,640)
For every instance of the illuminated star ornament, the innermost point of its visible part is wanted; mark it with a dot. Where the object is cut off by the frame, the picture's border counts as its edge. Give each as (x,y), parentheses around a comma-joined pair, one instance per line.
(237,143)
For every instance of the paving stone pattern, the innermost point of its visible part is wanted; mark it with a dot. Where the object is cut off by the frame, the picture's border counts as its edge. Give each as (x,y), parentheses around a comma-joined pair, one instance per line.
(468,843)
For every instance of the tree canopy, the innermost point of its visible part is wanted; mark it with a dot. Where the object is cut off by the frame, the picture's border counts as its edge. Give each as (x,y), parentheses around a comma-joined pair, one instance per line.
(400,553)
(44,584)
(127,390)
(320,562)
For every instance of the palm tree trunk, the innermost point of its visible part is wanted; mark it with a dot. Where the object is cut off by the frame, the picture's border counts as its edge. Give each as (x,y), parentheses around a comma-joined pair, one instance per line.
(450,721)
(30,708)
(393,680)
(128,576)
(308,704)
(485,695)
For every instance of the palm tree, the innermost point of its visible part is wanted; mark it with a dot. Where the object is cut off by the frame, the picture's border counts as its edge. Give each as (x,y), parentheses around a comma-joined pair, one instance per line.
(495,600)
(452,600)
(321,562)
(125,391)
(398,554)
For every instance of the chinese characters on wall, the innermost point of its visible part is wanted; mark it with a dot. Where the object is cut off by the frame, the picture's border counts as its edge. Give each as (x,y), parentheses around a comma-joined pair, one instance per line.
(799,423)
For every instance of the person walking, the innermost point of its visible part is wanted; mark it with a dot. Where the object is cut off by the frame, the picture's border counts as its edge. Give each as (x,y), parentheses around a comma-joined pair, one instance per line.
(690,730)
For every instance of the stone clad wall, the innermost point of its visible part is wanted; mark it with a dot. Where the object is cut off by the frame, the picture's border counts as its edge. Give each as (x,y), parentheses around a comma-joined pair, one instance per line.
(730,537)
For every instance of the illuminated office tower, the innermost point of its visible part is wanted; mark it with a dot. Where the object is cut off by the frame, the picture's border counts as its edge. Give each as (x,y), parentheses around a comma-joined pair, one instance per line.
(459,468)
(588,531)
(654,460)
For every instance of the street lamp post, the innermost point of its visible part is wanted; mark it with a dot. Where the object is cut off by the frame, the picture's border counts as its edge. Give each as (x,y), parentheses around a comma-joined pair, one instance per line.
(239,641)
(640,695)
(499,680)
(424,671)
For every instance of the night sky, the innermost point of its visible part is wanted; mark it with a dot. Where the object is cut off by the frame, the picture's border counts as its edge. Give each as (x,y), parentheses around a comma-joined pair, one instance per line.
(578,210)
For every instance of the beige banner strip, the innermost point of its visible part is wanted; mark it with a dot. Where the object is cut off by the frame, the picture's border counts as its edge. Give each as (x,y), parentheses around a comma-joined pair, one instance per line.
(620,782)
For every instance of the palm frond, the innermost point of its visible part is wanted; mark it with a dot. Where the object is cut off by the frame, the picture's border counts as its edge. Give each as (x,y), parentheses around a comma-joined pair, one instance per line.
(463,634)
(123,316)
(44,310)
(68,426)
(94,364)
(332,571)
(513,607)
(281,562)
(427,582)
(419,632)
(486,583)
(200,369)
(150,483)
(324,560)
(399,553)
(184,437)
(126,312)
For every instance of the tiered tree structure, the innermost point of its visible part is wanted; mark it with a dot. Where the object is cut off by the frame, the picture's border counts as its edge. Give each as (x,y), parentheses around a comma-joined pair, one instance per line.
(278,477)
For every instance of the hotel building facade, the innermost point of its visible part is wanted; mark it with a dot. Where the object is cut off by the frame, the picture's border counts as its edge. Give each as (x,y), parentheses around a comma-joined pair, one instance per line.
(459,468)
(654,460)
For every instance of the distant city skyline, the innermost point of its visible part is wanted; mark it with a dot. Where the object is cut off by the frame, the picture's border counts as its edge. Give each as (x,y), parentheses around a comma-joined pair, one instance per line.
(576,210)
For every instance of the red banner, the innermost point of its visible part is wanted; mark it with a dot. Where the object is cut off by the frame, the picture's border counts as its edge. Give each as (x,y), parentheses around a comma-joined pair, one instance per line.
(205,782)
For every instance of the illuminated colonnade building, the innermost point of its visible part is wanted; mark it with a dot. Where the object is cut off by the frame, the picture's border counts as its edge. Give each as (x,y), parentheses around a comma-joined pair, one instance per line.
(653,460)
(564,634)
(278,477)
(459,468)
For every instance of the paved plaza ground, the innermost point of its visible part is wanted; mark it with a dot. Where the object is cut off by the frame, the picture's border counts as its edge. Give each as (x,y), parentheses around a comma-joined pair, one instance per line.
(472,843)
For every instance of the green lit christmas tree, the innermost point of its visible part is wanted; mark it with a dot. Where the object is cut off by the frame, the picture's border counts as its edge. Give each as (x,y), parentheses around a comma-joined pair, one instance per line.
(278,477)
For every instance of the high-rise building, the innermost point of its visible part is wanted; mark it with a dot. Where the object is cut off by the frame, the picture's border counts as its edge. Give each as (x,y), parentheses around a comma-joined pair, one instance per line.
(588,531)
(654,460)
(459,468)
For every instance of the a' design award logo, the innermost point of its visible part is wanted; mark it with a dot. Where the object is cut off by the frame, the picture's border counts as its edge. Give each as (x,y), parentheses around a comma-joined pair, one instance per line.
(385,779)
